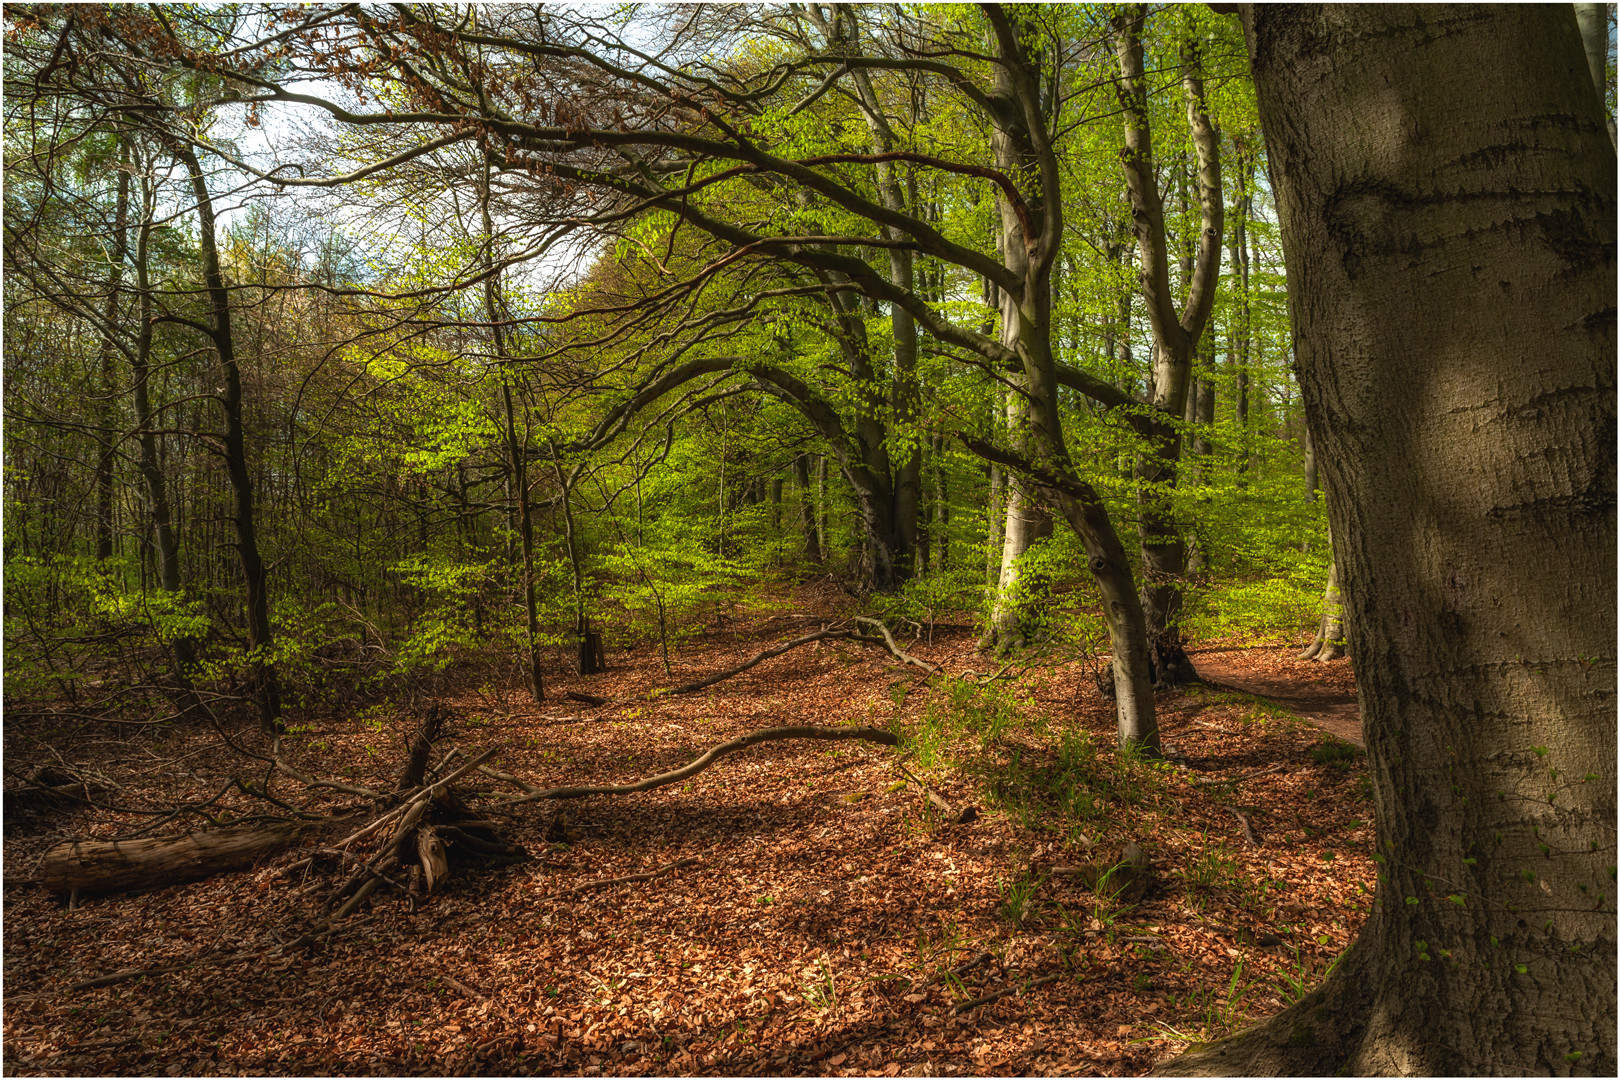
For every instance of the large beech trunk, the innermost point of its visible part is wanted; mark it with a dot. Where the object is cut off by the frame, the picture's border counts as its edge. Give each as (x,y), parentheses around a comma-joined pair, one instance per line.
(1446,188)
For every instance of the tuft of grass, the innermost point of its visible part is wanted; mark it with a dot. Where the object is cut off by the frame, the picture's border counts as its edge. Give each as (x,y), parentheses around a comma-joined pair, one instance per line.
(1336,752)
(1018,898)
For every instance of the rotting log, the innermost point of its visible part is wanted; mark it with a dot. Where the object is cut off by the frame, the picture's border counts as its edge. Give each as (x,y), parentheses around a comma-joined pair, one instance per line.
(111,865)
(675,776)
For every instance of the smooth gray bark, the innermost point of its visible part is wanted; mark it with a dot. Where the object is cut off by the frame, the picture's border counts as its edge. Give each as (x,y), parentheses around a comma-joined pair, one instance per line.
(1446,190)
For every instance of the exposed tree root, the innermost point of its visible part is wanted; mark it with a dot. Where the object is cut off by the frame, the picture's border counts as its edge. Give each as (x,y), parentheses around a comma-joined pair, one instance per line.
(675,776)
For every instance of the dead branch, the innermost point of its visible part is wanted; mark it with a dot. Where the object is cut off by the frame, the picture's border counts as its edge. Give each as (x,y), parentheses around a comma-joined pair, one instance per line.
(1240,779)
(960,969)
(311,782)
(586,699)
(1016,988)
(214,958)
(510,779)
(602,883)
(675,776)
(766,654)
(933,797)
(421,746)
(889,643)
(109,865)
(1247,825)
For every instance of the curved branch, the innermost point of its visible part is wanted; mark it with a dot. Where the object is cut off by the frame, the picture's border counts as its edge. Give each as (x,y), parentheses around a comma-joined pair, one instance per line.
(763,655)
(675,776)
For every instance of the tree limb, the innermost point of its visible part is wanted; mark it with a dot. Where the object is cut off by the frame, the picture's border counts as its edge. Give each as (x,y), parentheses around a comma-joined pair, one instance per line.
(866,734)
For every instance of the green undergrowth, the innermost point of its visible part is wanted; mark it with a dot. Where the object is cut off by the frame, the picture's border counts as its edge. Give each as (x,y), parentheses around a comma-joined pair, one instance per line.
(1071,794)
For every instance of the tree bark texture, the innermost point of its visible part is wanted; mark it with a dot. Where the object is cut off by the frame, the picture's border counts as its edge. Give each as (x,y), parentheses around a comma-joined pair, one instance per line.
(111,865)
(1026,521)
(1446,189)
(1330,642)
(1593,20)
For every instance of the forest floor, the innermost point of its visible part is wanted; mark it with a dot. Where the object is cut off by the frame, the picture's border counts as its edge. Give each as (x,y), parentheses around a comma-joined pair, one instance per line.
(834,923)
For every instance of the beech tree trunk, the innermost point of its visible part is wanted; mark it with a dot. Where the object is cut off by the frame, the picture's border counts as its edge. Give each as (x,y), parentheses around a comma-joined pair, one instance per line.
(1446,188)
(1175,334)
(1025,522)
(517,448)
(1330,642)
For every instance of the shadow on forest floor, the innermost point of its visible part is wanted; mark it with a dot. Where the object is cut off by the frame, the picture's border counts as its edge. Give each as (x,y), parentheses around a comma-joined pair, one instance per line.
(818,932)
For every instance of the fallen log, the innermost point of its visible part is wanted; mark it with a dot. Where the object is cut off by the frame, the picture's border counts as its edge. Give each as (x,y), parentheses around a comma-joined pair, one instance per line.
(111,865)
(675,776)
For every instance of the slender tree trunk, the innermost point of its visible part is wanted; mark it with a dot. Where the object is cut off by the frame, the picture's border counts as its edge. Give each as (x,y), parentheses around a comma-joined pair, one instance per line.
(1020,595)
(1031,239)
(260,641)
(941,530)
(1175,334)
(994,526)
(1313,483)
(1446,190)
(106,413)
(516,449)
(823,516)
(167,554)
(807,508)
(895,566)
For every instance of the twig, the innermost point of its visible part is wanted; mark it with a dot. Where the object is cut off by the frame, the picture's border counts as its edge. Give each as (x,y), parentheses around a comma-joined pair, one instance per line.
(960,969)
(509,778)
(216,958)
(602,883)
(1240,779)
(462,988)
(1248,826)
(1016,988)
(936,799)
(887,738)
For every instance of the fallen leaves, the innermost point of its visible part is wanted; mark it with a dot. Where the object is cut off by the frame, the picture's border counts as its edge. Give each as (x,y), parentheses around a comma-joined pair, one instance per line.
(750,920)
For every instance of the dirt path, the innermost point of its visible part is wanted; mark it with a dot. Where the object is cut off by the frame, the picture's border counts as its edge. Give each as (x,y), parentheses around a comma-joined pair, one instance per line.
(1297,685)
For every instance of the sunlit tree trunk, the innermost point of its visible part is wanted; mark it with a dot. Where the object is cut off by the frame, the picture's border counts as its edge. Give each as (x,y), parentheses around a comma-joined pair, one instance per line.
(1593,20)
(1175,333)
(1446,191)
